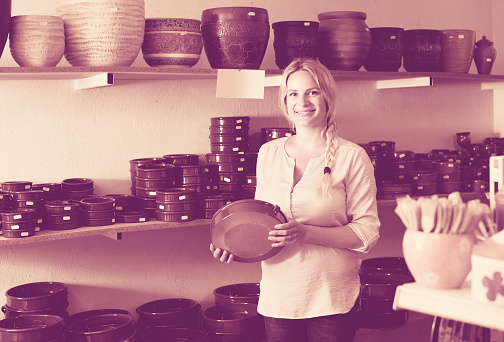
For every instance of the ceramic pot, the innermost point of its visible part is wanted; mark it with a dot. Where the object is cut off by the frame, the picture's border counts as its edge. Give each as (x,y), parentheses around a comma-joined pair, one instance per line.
(344,40)
(235,37)
(457,47)
(102,32)
(386,49)
(484,55)
(294,39)
(422,50)
(5,18)
(440,261)
(172,42)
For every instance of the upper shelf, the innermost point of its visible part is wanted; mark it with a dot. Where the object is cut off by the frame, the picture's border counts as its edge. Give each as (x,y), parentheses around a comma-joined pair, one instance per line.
(87,77)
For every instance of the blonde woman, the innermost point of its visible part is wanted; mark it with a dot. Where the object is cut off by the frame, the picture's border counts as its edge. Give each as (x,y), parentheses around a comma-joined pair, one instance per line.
(325,186)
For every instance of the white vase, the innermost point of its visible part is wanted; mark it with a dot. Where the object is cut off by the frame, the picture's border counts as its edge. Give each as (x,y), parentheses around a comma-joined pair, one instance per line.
(102,32)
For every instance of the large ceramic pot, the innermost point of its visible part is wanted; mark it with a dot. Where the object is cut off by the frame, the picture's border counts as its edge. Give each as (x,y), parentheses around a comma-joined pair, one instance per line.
(294,39)
(457,47)
(102,32)
(235,37)
(5,16)
(386,49)
(344,40)
(422,50)
(172,42)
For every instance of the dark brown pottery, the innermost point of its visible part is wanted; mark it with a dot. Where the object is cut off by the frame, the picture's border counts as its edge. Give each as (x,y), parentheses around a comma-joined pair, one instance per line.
(39,295)
(484,55)
(169,312)
(237,293)
(166,334)
(386,49)
(422,50)
(31,328)
(5,18)
(294,39)
(77,184)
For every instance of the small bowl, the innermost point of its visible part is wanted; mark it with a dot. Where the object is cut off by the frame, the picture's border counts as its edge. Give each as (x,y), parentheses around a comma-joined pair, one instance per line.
(181,216)
(27,195)
(77,184)
(31,328)
(131,217)
(98,214)
(187,194)
(18,215)
(237,293)
(168,312)
(17,233)
(61,207)
(232,318)
(155,171)
(182,159)
(19,225)
(104,327)
(16,185)
(34,296)
(97,203)
(91,313)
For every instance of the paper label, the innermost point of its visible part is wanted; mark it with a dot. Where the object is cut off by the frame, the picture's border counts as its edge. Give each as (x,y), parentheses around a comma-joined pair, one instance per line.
(66,218)
(27,187)
(185,217)
(141,219)
(15,227)
(119,207)
(17,217)
(240,169)
(67,208)
(29,203)
(161,206)
(227,180)
(46,189)
(25,233)
(183,197)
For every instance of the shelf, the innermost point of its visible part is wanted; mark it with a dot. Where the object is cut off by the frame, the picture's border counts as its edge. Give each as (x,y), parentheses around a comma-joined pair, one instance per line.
(90,77)
(452,304)
(112,231)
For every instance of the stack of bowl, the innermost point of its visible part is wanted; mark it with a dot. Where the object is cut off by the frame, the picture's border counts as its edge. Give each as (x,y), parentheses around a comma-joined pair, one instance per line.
(448,176)
(77,188)
(457,48)
(294,39)
(176,204)
(41,298)
(62,215)
(16,185)
(127,209)
(18,223)
(150,178)
(172,42)
(97,211)
(203,177)
(209,205)
(29,199)
(423,182)
(37,40)
(235,37)
(134,163)
(32,328)
(52,191)
(102,327)
(168,313)
(233,322)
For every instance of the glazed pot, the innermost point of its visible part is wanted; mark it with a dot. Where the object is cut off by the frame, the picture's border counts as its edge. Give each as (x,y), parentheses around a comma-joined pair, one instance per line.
(457,47)
(5,18)
(237,293)
(484,55)
(104,327)
(386,49)
(294,39)
(235,37)
(35,296)
(172,312)
(422,50)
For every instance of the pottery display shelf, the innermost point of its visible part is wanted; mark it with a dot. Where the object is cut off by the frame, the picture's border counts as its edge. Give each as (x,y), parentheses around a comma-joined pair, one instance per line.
(93,77)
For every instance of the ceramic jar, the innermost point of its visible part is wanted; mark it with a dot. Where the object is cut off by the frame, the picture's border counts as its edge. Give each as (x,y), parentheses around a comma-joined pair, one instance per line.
(102,32)
(484,55)
(294,39)
(457,47)
(422,50)
(386,49)
(344,40)
(172,42)
(235,37)
(5,16)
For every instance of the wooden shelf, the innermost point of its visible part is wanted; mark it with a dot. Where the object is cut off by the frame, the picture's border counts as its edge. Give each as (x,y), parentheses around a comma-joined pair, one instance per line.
(454,304)
(111,231)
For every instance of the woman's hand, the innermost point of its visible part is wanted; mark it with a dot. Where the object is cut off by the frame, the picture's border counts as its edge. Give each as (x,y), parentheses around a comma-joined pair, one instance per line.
(222,255)
(286,233)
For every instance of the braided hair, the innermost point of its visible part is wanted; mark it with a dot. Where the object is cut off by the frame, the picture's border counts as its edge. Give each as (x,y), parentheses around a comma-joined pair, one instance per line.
(327,86)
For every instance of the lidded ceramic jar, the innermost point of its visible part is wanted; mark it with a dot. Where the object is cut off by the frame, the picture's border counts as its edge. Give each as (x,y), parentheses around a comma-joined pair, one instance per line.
(344,40)
(235,37)
(294,39)
(422,50)
(484,55)
(386,49)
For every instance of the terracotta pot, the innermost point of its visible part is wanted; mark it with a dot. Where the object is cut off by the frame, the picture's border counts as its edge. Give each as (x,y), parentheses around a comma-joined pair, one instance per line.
(422,50)
(457,47)
(484,55)
(386,49)
(5,17)
(344,40)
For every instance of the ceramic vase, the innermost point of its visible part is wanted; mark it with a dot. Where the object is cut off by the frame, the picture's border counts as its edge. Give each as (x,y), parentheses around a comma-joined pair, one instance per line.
(5,17)
(422,50)
(484,55)
(344,40)
(294,39)
(102,32)
(386,49)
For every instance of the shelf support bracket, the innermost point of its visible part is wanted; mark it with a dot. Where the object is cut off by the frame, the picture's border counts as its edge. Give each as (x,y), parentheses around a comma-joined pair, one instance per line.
(114,236)
(492,85)
(96,81)
(272,81)
(404,83)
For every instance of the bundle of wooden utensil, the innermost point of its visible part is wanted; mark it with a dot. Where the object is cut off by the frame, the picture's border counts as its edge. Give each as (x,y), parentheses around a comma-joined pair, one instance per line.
(446,215)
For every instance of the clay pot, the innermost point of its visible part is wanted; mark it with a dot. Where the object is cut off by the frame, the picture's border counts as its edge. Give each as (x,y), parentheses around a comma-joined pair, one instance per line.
(5,18)
(386,49)
(457,47)
(422,50)
(235,37)
(172,42)
(484,55)
(294,39)
(344,40)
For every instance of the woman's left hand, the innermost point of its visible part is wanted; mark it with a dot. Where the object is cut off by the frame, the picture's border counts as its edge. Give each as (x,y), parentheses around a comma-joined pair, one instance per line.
(286,233)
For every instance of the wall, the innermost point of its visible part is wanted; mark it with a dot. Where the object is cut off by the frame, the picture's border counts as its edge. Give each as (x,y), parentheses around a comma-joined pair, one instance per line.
(49,132)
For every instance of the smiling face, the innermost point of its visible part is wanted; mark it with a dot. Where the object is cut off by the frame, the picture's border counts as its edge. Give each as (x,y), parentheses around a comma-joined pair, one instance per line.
(304,101)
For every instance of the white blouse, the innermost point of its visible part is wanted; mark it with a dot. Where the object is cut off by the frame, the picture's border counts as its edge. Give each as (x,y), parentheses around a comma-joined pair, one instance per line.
(308,280)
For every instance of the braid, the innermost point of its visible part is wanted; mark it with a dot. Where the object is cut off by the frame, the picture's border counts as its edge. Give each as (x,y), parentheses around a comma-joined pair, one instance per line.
(331,146)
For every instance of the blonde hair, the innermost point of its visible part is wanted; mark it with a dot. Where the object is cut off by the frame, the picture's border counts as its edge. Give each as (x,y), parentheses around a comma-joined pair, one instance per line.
(327,86)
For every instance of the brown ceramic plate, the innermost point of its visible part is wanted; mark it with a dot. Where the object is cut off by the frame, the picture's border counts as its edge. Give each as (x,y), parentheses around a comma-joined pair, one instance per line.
(242,228)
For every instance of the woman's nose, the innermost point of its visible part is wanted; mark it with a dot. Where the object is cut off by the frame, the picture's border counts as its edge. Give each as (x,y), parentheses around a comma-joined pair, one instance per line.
(303,99)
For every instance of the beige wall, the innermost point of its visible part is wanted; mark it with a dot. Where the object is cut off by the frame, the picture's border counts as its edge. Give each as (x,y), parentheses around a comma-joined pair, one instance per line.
(49,132)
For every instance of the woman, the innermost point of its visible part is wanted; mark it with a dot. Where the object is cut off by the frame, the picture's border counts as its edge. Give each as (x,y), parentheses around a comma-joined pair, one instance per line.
(325,186)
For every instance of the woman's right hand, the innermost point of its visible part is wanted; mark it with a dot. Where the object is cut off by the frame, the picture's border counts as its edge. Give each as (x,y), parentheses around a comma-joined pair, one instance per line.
(222,255)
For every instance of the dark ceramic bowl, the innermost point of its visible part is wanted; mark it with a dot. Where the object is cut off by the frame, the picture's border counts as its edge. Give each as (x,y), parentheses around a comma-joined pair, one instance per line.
(422,50)
(176,206)
(131,217)
(217,158)
(27,195)
(63,225)
(166,334)
(183,216)
(19,225)
(104,327)
(123,199)
(134,163)
(229,14)
(31,328)
(97,203)
(384,265)
(17,215)
(61,207)
(382,285)
(229,129)
(33,296)
(77,184)
(230,148)
(181,159)
(237,293)
(92,313)
(230,120)
(215,201)
(176,195)
(16,185)
(98,214)
(172,24)
(342,15)
(192,170)
(150,183)
(98,221)
(168,312)
(77,194)
(157,171)
(17,233)
(232,318)
(60,311)
(58,218)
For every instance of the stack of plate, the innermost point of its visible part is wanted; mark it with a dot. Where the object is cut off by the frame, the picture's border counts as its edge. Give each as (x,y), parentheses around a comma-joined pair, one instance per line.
(62,215)
(176,204)
(18,223)
(29,199)
(77,188)
(98,211)
(229,134)
(40,298)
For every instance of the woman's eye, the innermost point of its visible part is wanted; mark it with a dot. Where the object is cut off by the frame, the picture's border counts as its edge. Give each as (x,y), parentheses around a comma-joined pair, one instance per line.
(313,92)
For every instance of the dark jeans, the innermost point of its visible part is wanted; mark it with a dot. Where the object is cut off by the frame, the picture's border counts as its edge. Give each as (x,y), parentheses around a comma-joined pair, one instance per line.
(333,328)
